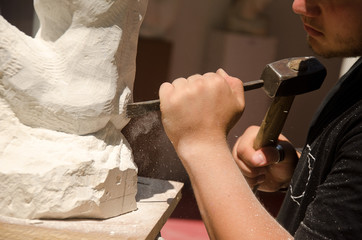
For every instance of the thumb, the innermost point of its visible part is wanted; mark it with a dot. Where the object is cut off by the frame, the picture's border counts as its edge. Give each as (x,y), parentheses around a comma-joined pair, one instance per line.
(227,77)
(266,156)
(222,73)
(235,83)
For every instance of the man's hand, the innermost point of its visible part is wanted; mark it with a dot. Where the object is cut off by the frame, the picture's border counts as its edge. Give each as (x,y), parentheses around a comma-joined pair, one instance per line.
(261,167)
(201,108)
(197,114)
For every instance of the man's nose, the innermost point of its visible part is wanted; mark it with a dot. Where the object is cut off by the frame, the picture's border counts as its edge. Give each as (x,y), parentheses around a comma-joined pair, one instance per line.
(308,8)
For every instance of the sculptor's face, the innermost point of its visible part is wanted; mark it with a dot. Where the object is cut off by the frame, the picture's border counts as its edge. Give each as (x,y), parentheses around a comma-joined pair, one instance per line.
(334,27)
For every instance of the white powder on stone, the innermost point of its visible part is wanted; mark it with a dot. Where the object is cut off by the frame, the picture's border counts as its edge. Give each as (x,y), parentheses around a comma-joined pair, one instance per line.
(62,98)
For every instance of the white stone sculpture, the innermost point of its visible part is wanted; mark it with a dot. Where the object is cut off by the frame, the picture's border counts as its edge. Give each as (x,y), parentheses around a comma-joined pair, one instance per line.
(247,16)
(62,98)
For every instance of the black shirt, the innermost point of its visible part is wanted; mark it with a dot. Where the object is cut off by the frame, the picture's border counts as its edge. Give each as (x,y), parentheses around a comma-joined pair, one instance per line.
(324,200)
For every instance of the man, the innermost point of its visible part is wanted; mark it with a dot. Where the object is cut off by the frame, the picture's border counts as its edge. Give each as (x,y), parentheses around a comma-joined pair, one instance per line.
(324,199)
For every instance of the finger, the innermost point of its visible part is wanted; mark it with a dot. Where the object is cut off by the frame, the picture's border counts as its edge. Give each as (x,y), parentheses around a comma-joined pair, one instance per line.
(222,73)
(251,162)
(235,83)
(259,158)
(165,90)
(250,172)
(194,77)
(255,181)
(244,152)
(179,82)
(213,77)
(267,156)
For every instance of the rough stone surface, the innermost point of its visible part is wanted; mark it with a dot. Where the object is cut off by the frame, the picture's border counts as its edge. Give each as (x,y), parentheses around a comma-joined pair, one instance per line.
(62,98)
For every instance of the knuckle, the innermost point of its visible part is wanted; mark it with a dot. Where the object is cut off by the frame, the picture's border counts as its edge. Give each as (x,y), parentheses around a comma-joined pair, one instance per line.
(250,172)
(196,77)
(178,80)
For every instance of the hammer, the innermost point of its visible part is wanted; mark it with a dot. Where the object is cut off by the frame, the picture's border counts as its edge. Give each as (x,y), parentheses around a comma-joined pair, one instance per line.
(286,78)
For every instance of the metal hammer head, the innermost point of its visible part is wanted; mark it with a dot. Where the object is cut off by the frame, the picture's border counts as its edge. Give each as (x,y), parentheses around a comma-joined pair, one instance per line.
(293,76)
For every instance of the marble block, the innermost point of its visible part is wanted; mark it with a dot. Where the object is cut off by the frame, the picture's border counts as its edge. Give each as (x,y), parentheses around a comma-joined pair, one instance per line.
(62,106)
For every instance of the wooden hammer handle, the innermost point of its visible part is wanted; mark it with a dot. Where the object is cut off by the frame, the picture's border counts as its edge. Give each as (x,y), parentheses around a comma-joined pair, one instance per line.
(273,122)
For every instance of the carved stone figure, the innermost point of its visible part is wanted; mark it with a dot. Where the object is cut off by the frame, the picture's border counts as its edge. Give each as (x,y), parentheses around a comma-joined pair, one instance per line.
(247,16)
(62,98)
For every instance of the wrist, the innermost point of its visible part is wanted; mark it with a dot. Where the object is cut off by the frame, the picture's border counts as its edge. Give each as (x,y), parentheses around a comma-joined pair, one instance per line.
(198,139)
(194,149)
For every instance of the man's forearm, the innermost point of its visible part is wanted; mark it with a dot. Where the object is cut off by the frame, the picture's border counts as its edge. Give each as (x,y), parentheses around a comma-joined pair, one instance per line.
(229,208)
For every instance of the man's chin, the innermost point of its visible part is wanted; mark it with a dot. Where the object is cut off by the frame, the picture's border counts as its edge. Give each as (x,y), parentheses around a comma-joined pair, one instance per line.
(327,52)
(323,53)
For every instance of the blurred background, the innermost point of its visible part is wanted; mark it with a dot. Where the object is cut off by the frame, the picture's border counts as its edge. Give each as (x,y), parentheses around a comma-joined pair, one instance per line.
(185,37)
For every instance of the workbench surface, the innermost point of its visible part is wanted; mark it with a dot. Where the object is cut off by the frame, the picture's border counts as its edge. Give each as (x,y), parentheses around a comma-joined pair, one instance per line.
(156,200)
